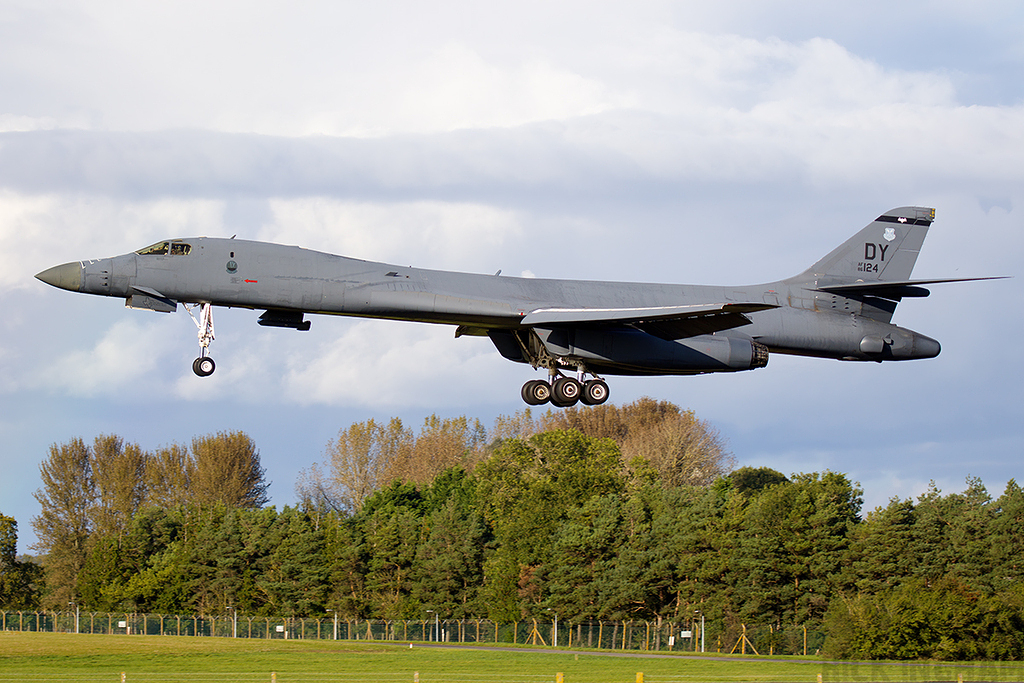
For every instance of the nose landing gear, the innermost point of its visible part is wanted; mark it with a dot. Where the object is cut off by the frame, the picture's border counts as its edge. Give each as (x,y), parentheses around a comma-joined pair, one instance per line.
(204,365)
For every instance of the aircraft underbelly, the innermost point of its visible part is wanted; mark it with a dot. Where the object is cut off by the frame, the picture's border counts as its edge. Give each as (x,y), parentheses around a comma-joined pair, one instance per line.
(629,351)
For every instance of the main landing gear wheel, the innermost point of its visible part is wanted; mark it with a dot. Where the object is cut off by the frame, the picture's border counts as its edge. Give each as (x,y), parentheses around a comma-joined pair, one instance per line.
(536,392)
(595,392)
(203,366)
(565,392)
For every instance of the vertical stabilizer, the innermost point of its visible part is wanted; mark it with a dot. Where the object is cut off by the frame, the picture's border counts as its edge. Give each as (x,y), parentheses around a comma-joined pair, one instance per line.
(884,251)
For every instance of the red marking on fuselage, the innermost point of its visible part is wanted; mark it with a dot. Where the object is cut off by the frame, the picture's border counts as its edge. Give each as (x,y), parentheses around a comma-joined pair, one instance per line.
(252,281)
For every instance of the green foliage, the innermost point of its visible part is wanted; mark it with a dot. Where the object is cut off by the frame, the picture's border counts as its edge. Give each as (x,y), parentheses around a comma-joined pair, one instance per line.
(8,543)
(20,582)
(754,479)
(556,523)
(945,621)
(91,496)
(397,496)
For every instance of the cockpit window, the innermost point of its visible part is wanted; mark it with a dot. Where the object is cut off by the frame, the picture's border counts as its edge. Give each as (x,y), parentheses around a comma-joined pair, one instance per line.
(158,249)
(165,248)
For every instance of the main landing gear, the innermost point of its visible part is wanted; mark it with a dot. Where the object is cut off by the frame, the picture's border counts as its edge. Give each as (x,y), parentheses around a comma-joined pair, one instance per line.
(559,390)
(204,365)
(564,392)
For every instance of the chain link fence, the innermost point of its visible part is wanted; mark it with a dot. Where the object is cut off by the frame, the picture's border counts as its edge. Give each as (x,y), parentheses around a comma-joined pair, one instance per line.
(604,635)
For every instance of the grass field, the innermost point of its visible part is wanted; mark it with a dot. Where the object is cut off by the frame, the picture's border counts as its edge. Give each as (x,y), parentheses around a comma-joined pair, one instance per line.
(69,657)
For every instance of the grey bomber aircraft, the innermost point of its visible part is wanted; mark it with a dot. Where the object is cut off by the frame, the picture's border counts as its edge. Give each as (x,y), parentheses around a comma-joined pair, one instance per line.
(840,307)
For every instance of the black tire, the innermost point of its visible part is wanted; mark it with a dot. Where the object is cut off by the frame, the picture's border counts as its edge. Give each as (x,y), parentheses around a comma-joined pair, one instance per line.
(203,366)
(566,392)
(595,392)
(536,392)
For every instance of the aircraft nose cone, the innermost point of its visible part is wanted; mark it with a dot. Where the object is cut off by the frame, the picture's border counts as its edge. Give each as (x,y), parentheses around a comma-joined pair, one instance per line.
(67,276)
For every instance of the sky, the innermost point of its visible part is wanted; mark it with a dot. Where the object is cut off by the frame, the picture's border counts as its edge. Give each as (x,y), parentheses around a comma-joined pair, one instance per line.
(683,142)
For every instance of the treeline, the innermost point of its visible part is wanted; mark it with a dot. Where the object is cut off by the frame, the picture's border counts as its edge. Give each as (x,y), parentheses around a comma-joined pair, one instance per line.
(367,456)
(90,494)
(532,521)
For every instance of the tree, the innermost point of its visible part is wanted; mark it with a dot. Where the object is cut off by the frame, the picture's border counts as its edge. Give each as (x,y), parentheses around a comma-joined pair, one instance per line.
(391,537)
(680,447)
(361,459)
(346,565)
(63,525)
(119,473)
(792,545)
(1006,538)
(167,477)
(441,444)
(585,546)
(225,468)
(912,621)
(293,575)
(526,488)
(753,479)
(879,548)
(8,544)
(449,561)
(19,581)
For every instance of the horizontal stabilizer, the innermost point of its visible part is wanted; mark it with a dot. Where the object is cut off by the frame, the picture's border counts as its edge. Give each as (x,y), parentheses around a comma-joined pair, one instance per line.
(666,322)
(894,289)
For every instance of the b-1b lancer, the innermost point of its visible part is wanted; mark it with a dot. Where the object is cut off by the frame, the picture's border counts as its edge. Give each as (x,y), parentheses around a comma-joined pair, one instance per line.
(840,307)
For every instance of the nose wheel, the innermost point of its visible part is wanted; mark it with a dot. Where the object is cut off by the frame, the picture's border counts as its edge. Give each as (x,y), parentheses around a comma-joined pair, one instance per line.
(204,365)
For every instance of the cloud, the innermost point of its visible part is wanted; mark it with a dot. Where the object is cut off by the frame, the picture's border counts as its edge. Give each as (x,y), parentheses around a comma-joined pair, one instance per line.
(46,229)
(388,365)
(128,355)
(438,234)
(456,120)
(455,88)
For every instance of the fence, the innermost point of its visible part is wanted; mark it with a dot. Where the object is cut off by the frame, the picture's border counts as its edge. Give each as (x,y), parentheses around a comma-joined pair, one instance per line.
(617,635)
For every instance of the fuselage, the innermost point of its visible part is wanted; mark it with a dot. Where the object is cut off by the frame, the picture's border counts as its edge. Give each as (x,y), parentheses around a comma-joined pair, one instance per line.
(840,307)
(258,275)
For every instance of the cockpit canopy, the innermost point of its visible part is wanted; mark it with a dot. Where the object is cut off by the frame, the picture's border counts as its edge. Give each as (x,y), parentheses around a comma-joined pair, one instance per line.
(171,248)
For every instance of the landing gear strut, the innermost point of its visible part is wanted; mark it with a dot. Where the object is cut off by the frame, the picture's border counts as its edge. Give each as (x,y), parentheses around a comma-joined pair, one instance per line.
(204,365)
(559,390)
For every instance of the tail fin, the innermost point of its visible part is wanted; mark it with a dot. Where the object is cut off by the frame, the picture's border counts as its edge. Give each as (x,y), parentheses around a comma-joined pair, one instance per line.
(871,270)
(883,252)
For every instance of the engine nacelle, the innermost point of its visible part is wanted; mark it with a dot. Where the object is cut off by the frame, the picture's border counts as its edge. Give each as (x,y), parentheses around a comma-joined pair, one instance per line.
(628,351)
